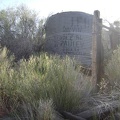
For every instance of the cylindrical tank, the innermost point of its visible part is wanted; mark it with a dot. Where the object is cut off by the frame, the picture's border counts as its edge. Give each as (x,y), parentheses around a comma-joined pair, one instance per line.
(70,33)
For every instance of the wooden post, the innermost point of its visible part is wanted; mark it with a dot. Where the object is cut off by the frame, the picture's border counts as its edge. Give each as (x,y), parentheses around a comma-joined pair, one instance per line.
(96,50)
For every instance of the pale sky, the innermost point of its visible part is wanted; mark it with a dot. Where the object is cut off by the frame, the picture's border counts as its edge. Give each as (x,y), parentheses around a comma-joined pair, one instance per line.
(109,9)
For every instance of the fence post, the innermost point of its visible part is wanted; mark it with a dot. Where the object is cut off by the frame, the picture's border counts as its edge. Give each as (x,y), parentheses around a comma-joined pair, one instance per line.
(97,54)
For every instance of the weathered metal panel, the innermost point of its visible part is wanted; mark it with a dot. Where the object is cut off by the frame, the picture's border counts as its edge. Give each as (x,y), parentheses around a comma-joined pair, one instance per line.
(70,33)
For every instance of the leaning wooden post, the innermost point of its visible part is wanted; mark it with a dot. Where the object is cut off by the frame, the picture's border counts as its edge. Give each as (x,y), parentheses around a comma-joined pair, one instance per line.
(96,49)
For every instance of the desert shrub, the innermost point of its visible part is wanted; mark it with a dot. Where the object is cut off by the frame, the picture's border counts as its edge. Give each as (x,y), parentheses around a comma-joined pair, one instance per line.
(12,86)
(20,31)
(54,78)
(67,87)
(112,69)
(7,81)
(40,110)
(41,78)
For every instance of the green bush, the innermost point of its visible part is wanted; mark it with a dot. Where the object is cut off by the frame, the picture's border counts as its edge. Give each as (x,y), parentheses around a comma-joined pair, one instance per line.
(67,87)
(8,83)
(54,78)
(42,78)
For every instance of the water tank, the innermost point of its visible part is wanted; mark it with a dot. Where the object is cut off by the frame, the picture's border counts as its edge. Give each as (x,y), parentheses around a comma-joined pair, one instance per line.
(70,33)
